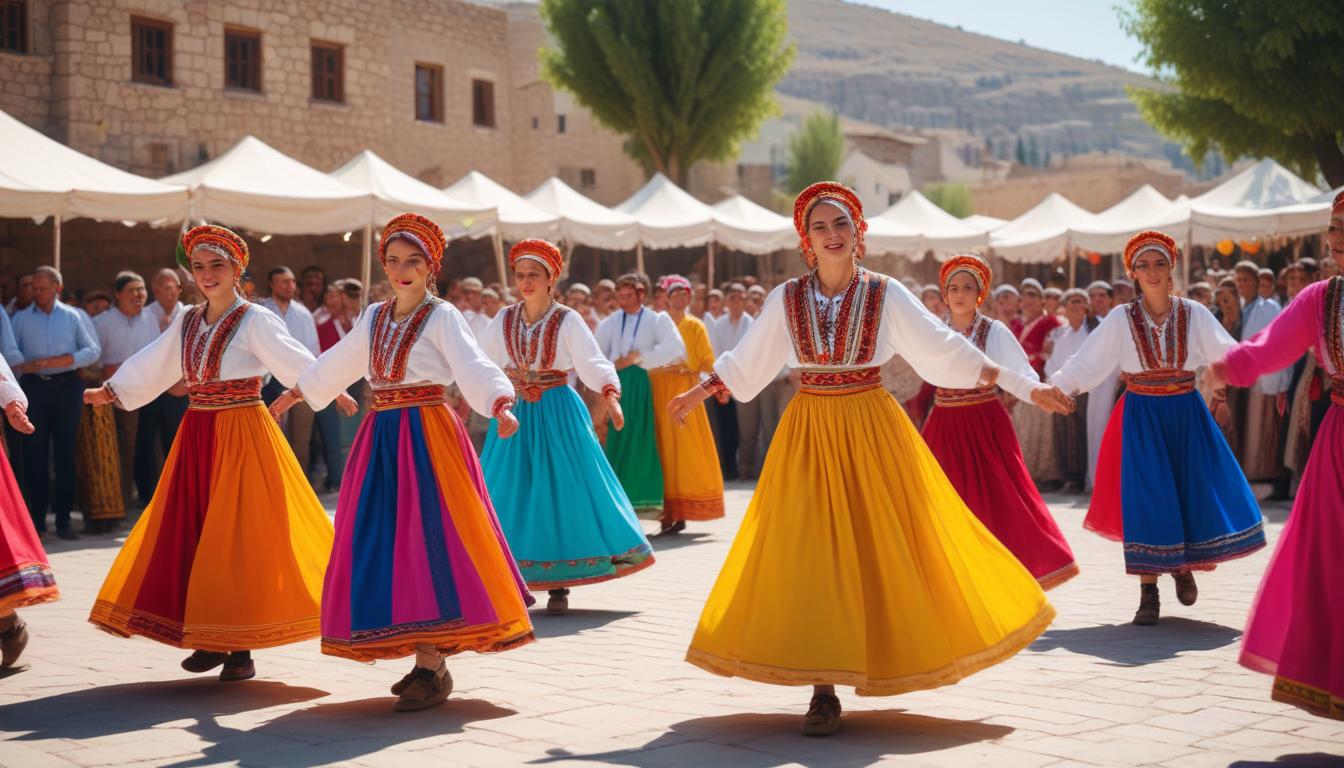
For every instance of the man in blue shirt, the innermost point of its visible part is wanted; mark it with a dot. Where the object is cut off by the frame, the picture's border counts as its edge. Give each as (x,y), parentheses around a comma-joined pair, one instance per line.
(54,341)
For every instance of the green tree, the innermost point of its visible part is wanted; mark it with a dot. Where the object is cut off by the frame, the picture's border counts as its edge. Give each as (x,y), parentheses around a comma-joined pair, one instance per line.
(1252,77)
(684,80)
(953,198)
(815,151)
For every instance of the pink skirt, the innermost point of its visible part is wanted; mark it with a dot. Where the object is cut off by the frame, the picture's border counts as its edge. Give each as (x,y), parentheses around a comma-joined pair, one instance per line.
(977,448)
(1296,627)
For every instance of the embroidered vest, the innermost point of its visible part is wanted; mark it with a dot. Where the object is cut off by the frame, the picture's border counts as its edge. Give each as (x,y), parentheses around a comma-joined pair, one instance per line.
(978,334)
(538,347)
(1163,359)
(853,339)
(390,342)
(202,355)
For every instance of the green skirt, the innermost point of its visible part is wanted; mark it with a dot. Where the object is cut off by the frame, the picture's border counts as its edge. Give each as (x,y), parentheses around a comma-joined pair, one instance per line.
(633,451)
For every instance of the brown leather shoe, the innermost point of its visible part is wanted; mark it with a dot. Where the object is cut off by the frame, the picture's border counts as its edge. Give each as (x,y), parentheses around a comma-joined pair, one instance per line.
(428,687)
(203,661)
(401,685)
(1150,606)
(823,715)
(12,642)
(1186,589)
(238,666)
(558,605)
(670,530)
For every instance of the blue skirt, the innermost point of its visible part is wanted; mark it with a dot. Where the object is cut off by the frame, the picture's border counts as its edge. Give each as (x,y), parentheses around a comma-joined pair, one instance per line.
(566,517)
(1185,502)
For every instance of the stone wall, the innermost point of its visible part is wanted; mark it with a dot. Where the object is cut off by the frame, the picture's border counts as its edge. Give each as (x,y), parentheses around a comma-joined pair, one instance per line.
(25,78)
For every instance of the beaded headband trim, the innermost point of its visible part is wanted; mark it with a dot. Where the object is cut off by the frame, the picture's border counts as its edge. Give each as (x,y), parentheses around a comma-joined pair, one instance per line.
(1145,242)
(215,239)
(541,251)
(419,231)
(834,192)
(976,267)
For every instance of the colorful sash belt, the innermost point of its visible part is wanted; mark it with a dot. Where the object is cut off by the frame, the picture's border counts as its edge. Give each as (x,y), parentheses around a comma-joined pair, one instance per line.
(1162,382)
(1337,390)
(822,381)
(952,398)
(388,398)
(530,384)
(218,395)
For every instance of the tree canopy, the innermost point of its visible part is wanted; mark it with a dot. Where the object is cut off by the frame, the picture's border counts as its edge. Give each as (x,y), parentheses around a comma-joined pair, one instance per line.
(1252,77)
(815,151)
(684,80)
(953,198)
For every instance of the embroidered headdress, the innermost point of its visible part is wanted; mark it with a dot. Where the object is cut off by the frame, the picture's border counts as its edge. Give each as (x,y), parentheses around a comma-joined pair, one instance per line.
(215,239)
(1149,241)
(420,232)
(671,283)
(836,193)
(540,251)
(974,266)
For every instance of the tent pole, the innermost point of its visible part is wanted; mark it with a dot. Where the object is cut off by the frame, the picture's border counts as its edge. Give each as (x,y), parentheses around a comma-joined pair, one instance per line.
(499,257)
(1073,266)
(710,280)
(56,242)
(569,254)
(366,266)
(1185,262)
(639,257)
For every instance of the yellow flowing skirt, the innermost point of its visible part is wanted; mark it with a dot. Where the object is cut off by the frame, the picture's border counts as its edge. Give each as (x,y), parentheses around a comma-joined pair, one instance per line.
(692,479)
(231,551)
(858,564)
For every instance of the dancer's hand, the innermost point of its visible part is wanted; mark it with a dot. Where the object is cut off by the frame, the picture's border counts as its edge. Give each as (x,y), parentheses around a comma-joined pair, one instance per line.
(97,396)
(346,405)
(284,402)
(615,413)
(507,423)
(682,404)
(1052,399)
(18,417)
(1216,374)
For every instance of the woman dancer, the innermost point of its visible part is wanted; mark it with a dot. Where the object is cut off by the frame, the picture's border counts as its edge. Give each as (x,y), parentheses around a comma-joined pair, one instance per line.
(420,566)
(1167,483)
(857,563)
(25,575)
(1293,632)
(228,556)
(567,519)
(972,437)
(692,481)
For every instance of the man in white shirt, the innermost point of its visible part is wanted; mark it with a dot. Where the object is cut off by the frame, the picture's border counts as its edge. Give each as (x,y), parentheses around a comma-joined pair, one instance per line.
(477,320)
(160,419)
(727,418)
(122,331)
(299,322)
(1070,429)
(1260,441)
(713,307)
(167,289)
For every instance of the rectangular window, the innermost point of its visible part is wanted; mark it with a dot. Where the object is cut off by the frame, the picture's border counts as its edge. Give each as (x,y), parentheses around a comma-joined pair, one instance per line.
(14,26)
(328,72)
(559,123)
(151,51)
(429,93)
(587,178)
(483,103)
(242,59)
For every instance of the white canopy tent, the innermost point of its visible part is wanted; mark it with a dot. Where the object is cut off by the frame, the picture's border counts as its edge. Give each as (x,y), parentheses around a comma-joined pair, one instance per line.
(669,217)
(1040,235)
(942,232)
(984,223)
(1265,199)
(257,187)
(1145,209)
(394,192)
(748,227)
(40,177)
(518,219)
(583,221)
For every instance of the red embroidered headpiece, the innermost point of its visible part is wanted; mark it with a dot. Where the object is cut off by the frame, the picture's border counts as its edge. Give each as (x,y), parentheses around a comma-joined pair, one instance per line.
(977,267)
(220,240)
(1338,206)
(538,250)
(827,191)
(420,231)
(671,283)
(1149,241)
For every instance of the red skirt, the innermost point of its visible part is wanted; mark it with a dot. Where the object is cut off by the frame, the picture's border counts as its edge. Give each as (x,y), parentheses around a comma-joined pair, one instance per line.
(978,449)
(25,576)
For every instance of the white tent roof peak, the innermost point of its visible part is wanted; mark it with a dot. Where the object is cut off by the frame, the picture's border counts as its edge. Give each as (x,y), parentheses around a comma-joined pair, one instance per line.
(395,192)
(1040,234)
(1264,199)
(751,228)
(669,217)
(984,223)
(1263,185)
(1145,208)
(582,220)
(518,219)
(943,233)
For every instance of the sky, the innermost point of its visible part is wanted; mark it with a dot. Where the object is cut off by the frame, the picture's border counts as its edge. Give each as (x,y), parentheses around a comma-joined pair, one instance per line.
(1089,29)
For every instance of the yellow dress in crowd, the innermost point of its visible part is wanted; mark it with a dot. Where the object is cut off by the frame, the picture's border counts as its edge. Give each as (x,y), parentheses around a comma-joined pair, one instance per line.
(692,480)
(857,563)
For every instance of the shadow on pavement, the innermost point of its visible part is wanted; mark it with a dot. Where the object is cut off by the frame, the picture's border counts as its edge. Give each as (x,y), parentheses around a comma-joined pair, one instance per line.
(768,740)
(1131,646)
(575,621)
(113,709)
(1313,760)
(664,543)
(336,732)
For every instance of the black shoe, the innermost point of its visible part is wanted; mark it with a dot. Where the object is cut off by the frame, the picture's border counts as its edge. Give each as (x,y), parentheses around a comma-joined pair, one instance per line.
(671,530)
(238,666)
(204,661)
(1150,606)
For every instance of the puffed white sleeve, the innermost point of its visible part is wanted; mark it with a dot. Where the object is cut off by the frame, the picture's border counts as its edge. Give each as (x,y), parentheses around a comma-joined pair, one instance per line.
(594,369)
(1017,377)
(667,344)
(9,386)
(940,355)
(269,341)
(491,339)
(344,363)
(1209,340)
(482,383)
(1098,356)
(151,371)
(748,367)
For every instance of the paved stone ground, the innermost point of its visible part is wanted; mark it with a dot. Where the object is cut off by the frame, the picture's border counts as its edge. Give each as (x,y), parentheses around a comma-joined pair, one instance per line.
(607,685)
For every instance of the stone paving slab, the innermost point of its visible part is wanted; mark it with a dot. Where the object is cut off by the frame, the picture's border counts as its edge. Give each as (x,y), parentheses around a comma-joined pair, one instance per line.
(606,685)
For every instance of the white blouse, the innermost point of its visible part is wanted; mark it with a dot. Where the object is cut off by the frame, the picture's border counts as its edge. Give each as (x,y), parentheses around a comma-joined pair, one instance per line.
(651,333)
(1111,346)
(575,348)
(445,352)
(9,387)
(1003,348)
(940,355)
(261,345)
